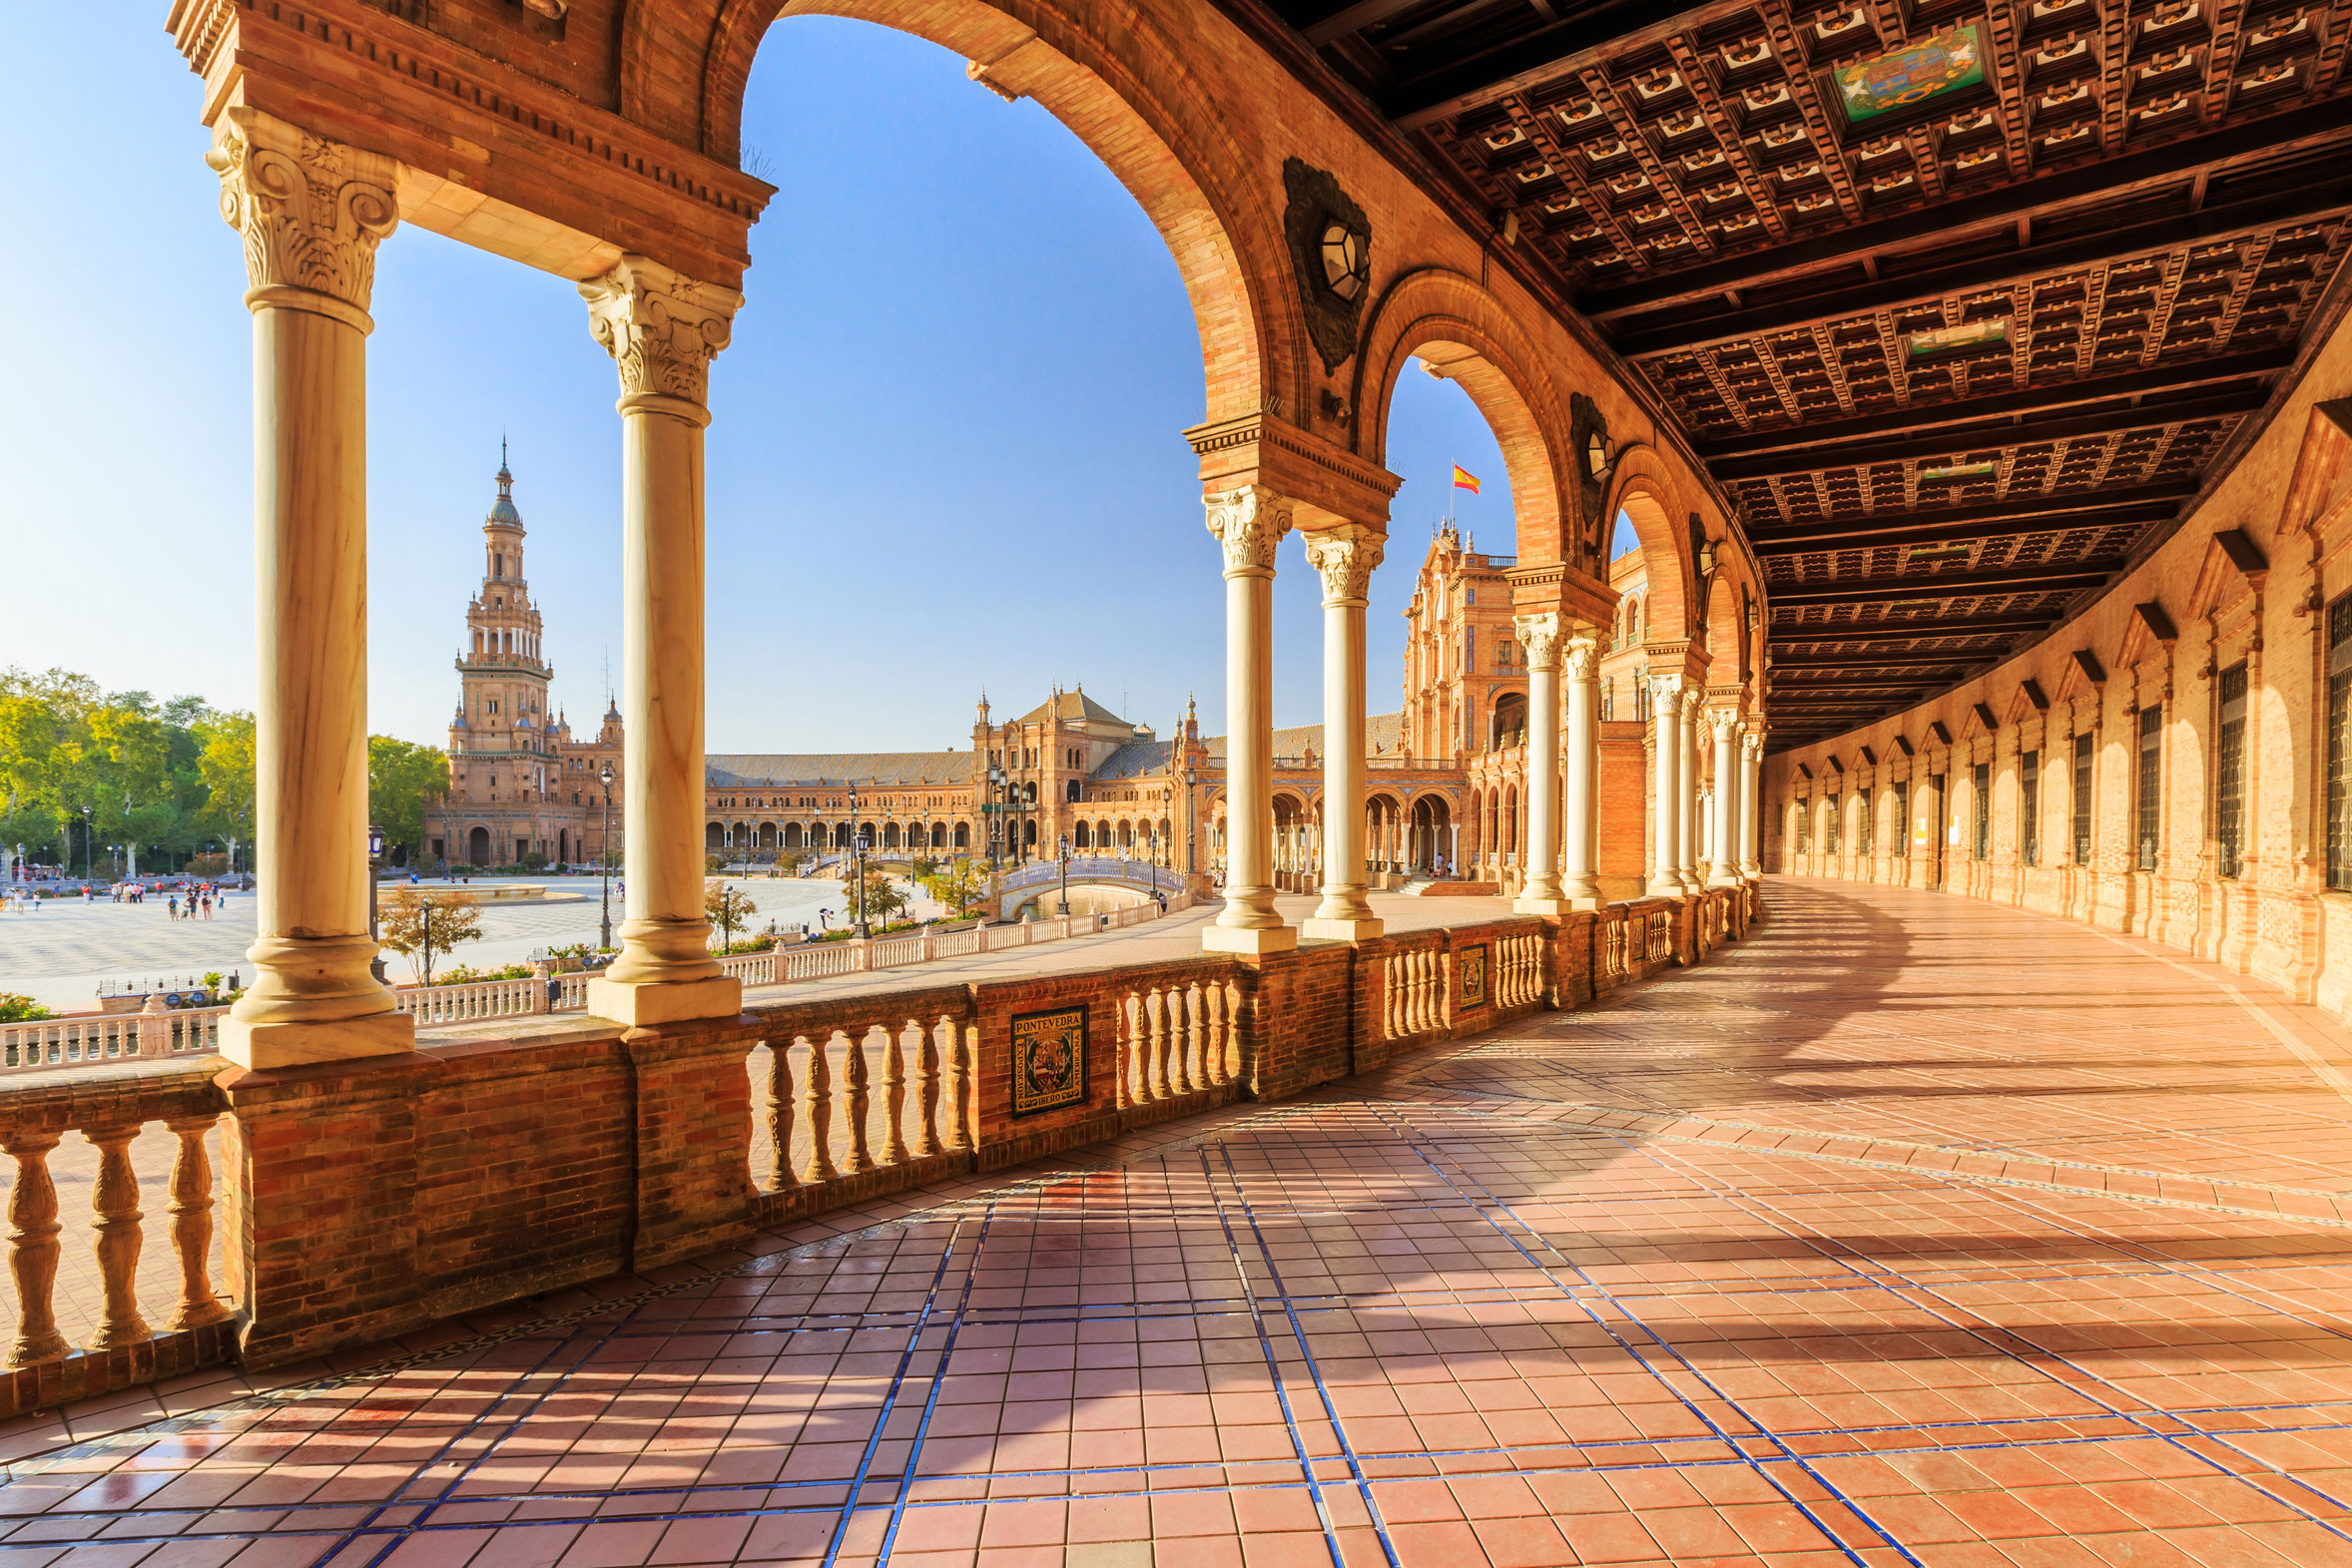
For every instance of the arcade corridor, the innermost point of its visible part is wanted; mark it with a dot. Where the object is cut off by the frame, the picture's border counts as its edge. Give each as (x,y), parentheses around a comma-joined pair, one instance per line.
(1909,1230)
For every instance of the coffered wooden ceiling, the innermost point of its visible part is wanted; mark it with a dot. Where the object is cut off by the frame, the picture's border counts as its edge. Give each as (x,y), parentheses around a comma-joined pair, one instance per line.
(1961,302)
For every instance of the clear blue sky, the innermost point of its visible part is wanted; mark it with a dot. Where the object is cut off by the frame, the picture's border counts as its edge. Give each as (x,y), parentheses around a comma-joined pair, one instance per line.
(946,452)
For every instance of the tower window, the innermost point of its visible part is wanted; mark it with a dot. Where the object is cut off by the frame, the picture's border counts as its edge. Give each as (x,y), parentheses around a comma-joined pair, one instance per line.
(497,566)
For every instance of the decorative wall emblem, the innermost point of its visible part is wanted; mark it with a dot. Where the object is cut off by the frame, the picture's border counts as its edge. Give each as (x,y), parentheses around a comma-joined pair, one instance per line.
(1470,973)
(1595,454)
(1330,253)
(1048,1060)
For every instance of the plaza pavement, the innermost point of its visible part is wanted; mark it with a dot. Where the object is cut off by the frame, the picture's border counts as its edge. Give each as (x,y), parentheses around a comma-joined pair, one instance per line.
(1909,1231)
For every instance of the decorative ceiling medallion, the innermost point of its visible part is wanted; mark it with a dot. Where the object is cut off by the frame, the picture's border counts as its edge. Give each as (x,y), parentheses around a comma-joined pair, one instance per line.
(1945,63)
(1331,252)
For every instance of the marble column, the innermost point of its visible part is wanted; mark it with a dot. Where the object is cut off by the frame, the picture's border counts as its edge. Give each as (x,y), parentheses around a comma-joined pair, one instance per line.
(663,330)
(1686,851)
(1667,831)
(1751,800)
(1580,800)
(1345,557)
(312,214)
(1249,523)
(1723,853)
(1539,890)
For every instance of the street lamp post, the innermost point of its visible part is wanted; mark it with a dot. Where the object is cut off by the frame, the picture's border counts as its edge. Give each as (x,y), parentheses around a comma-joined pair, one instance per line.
(604,862)
(1066,875)
(85,843)
(375,936)
(858,864)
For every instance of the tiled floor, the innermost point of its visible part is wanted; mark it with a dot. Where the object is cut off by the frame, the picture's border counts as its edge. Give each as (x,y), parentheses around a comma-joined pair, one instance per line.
(1913,1231)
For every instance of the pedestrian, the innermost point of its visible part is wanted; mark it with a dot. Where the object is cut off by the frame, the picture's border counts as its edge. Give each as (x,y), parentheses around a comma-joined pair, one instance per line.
(172,903)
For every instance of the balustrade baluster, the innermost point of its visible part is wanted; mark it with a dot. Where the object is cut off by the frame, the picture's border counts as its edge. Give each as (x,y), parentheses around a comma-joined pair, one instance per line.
(960,1055)
(1182,1066)
(780,1116)
(926,1098)
(33,1247)
(1196,1036)
(1155,1015)
(1237,1049)
(191,1223)
(1391,1009)
(118,1238)
(895,1094)
(1123,1052)
(860,1152)
(816,1108)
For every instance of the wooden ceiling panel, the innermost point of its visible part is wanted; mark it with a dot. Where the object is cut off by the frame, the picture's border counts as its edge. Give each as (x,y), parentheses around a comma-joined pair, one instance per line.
(1959,304)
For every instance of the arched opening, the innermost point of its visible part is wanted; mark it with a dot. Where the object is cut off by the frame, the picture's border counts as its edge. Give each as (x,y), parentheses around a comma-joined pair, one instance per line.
(1081,837)
(1432,835)
(714,839)
(962,835)
(477,846)
(792,835)
(1169,150)
(1507,724)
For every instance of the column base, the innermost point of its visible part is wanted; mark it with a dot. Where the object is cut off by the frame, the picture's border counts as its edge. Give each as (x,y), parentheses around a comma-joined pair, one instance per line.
(261,1046)
(1663,885)
(1343,928)
(664,1002)
(1249,938)
(1540,906)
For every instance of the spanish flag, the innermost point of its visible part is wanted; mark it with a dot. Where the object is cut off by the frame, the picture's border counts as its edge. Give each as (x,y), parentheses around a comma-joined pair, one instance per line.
(1464,479)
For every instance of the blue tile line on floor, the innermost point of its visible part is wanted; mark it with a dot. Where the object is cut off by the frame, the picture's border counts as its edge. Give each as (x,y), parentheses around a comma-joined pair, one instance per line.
(1960,1319)
(881,1419)
(1307,1351)
(1803,1466)
(930,1402)
(1290,1419)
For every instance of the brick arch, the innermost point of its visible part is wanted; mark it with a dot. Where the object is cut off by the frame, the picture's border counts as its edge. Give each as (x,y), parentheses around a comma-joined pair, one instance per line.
(1649,492)
(1126,91)
(1453,323)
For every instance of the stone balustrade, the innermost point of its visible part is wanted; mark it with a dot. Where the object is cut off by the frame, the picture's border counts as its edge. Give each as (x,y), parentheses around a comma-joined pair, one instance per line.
(482,1169)
(130,1341)
(88,1040)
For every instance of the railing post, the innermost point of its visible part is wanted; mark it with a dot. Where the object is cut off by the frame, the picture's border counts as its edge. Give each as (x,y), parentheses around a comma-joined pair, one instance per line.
(816,1108)
(155,1029)
(780,1116)
(115,1199)
(33,1247)
(191,1223)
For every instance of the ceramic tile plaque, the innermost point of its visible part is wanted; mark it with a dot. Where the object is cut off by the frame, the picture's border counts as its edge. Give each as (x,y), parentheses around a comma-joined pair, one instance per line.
(1470,973)
(1048,1060)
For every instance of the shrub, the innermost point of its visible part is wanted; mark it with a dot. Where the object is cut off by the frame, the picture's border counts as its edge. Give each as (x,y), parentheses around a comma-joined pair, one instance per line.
(17,1008)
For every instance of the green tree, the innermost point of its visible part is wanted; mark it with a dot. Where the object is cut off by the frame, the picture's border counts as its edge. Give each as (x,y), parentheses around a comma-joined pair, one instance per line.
(421,925)
(962,887)
(403,779)
(225,770)
(883,898)
(728,908)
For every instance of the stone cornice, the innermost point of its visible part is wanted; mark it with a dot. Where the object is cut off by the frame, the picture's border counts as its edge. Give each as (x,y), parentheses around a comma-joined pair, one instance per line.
(1265,449)
(353,73)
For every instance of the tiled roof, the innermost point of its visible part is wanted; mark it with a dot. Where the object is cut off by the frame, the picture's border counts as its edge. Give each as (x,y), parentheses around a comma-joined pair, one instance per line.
(1070,705)
(1382,734)
(1136,759)
(762,770)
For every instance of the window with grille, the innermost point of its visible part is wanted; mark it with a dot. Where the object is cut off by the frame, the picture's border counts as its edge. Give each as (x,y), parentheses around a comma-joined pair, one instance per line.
(1862,823)
(1980,803)
(2083,746)
(1829,825)
(2339,743)
(1804,828)
(2150,803)
(2229,770)
(2029,808)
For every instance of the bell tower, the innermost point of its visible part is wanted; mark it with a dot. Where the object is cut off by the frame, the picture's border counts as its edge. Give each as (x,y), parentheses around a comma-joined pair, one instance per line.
(502,707)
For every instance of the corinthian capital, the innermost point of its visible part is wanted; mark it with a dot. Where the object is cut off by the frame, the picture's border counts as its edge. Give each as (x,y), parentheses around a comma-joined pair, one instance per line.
(1666,694)
(1580,653)
(1345,557)
(661,329)
(1724,721)
(1249,522)
(311,210)
(1539,636)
